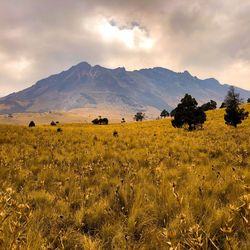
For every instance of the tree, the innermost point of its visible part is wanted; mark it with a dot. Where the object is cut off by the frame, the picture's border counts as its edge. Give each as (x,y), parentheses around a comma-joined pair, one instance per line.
(188,113)
(100,121)
(103,121)
(234,114)
(32,124)
(164,113)
(248,100)
(53,123)
(95,121)
(209,105)
(223,105)
(139,116)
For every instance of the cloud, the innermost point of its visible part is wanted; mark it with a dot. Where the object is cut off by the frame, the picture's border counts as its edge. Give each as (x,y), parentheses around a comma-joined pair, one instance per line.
(131,36)
(208,38)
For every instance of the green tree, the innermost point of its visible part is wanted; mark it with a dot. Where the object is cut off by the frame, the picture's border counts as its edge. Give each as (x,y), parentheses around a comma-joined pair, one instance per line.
(188,113)
(164,113)
(234,114)
(209,105)
(139,116)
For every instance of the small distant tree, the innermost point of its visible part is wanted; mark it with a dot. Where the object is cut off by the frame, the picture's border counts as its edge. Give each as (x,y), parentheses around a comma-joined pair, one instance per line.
(139,116)
(103,121)
(188,113)
(234,114)
(209,105)
(53,123)
(248,100)
(164,113)
(32,124)
(100,121)
(95,121)
(123,120)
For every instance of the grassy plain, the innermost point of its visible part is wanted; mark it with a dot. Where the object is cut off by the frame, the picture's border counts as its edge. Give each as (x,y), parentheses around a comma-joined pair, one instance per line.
(152,187)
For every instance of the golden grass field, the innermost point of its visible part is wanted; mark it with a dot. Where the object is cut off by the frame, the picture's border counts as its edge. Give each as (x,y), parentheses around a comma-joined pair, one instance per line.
(152,187)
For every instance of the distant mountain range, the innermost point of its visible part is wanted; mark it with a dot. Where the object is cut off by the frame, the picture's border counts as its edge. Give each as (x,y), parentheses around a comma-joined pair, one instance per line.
(90,87)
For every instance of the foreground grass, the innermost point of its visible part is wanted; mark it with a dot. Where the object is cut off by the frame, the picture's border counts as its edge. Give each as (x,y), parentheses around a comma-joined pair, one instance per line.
(153,187)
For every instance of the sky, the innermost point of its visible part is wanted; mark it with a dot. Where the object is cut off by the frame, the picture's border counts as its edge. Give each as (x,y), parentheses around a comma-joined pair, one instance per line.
(209,38)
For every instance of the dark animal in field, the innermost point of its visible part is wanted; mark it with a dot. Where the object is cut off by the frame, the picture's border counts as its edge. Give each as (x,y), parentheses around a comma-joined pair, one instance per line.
(59,130)
(32,124)
(115,134)
(57,122)
(53,123)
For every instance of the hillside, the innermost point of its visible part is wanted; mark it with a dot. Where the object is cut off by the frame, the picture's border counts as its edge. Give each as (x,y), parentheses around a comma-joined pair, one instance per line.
(152,187)
(86,88)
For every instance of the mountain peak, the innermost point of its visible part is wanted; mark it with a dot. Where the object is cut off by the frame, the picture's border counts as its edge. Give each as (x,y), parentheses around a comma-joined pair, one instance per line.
(82,66)
(83,86)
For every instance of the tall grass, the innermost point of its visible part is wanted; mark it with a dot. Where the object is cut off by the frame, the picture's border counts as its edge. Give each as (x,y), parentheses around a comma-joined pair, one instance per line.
(152,187)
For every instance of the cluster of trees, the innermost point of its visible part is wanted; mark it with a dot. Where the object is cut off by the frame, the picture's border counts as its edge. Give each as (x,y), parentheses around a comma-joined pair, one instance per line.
(100,121)
(189,115)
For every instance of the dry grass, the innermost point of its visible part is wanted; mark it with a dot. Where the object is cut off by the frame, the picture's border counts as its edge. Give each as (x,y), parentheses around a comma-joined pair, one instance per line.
(152,187)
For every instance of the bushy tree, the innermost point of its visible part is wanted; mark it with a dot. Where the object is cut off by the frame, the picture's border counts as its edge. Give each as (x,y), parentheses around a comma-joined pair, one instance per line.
(139,116)
(223,105)
(248,100)
(164,113)
(234,114)
(209,105)
(188,113)
(95,121)
(32,124)
(100,121)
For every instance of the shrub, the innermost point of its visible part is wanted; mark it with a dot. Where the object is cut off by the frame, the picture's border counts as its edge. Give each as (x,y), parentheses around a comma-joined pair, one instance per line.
(32,124)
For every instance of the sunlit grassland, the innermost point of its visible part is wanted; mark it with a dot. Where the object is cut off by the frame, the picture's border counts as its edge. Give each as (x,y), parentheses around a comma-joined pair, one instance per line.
(152,187)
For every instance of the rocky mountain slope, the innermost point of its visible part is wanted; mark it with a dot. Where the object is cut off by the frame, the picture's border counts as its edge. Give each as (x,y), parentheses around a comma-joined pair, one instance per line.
(90,87)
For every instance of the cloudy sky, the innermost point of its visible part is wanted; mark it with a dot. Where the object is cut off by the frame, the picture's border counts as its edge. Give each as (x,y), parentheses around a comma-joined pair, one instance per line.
(209,38)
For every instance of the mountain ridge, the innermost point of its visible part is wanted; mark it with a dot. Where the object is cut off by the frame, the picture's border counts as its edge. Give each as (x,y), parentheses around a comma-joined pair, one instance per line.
(84,86)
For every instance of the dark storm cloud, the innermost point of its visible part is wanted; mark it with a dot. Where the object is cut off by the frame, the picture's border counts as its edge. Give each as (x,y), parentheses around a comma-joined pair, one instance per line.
(209,38)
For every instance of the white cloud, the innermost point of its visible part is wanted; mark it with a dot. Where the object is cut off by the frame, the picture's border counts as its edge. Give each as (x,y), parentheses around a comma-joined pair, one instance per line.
(133,37)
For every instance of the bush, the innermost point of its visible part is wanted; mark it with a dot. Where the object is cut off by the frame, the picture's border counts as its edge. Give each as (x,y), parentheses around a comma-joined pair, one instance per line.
(139,116)
(164,113)
(209,105)
(32,124)
(100,121)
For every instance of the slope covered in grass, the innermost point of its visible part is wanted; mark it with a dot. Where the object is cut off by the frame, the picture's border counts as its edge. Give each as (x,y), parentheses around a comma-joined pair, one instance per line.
(152,187)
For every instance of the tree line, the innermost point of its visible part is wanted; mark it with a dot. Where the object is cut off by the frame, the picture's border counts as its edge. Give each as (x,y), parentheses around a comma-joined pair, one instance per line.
(189,115)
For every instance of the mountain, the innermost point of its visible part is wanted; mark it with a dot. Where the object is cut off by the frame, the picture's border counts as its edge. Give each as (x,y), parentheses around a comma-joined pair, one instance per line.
(94,87)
